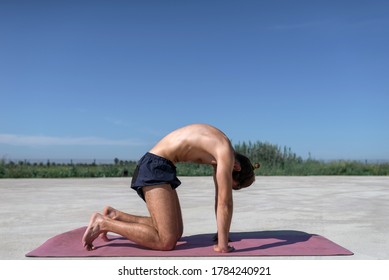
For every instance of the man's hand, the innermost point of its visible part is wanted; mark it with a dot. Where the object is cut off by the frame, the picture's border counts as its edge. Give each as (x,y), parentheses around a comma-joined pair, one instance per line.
(227,249)
(216,247)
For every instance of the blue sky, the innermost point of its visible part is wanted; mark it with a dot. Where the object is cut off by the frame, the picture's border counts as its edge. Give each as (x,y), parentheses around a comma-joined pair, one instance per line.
(105,79)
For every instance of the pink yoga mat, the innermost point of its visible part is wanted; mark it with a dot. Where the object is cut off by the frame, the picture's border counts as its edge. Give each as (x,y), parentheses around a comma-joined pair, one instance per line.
(257,243)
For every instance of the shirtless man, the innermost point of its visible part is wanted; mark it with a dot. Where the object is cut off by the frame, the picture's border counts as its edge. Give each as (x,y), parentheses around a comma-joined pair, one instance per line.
(155,181)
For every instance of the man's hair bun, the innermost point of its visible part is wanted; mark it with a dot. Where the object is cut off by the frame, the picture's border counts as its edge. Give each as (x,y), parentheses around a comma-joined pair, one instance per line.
(256,166)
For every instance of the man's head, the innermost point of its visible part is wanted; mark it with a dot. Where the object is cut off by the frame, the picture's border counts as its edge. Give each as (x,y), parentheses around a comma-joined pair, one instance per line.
(243,174)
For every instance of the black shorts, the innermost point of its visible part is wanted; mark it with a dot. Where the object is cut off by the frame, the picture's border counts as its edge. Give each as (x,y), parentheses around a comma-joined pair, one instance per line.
(154,170)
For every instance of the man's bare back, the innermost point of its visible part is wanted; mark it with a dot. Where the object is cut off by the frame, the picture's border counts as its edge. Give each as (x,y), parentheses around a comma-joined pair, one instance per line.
(198,143)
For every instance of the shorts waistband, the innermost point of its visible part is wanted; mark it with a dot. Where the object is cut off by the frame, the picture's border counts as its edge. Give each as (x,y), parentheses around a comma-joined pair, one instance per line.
(148,154)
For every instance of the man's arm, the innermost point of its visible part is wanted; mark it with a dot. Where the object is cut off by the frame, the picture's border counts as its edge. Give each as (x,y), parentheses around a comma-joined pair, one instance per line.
(223,203)
(216,188)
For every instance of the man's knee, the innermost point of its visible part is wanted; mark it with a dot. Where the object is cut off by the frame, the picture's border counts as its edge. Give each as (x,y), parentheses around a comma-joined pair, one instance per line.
(168,243)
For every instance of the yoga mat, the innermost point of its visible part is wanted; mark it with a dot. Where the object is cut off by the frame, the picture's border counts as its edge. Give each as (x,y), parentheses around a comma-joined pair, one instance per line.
(257,243)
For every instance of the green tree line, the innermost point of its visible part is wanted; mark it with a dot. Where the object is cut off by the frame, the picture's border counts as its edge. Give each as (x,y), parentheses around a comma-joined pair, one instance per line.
(25,169)
(275,161)
(282,161)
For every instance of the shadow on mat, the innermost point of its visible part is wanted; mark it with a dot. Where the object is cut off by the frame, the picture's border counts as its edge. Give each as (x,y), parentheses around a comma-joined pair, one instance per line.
(282,238)
(278,238)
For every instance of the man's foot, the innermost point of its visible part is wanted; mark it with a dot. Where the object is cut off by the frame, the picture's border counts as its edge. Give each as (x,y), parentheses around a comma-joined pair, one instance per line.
(93,231)
(111,213)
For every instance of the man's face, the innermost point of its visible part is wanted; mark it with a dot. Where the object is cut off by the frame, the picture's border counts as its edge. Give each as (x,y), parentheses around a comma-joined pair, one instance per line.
(235,185)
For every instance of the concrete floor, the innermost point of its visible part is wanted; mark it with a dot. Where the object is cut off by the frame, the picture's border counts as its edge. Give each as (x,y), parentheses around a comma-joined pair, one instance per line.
(351,211)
